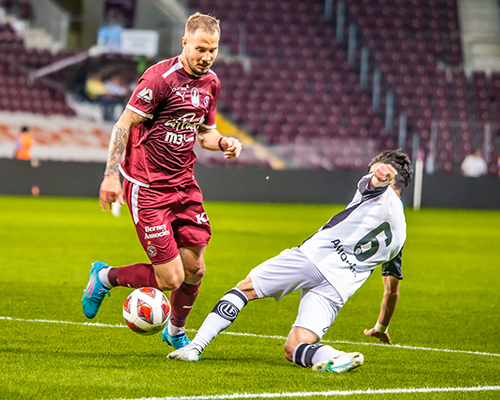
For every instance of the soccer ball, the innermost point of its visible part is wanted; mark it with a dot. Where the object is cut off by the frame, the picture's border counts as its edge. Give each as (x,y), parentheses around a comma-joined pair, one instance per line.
(146,310)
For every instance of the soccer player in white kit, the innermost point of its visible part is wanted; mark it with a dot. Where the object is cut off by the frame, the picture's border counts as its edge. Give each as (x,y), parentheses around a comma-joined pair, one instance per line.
(328,268)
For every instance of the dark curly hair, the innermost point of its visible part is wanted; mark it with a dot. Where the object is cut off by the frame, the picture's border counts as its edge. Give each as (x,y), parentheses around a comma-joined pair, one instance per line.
(401,162)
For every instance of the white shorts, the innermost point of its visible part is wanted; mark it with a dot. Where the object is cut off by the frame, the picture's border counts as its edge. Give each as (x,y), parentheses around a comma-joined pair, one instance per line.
(289,271)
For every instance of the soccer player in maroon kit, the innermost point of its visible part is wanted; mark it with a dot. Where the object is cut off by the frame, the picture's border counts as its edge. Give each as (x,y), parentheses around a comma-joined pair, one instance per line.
(173,105)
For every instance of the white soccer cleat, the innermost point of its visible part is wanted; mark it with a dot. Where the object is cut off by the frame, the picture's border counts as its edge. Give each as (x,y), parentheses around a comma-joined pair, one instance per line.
(187,353)
(343,363)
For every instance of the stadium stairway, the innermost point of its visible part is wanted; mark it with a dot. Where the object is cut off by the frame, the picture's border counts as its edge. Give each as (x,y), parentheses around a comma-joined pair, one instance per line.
(254,153)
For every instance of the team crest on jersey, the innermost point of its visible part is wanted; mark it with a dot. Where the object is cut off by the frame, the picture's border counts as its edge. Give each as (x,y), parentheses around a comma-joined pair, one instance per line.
(146,95)
(152,251)
(195,97)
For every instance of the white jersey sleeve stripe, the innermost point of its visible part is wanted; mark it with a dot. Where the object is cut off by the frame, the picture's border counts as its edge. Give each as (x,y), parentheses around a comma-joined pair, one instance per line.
(137,111)
(173,68)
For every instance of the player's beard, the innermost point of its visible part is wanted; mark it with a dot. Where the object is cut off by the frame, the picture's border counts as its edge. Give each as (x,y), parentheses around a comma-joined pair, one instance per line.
(196,71)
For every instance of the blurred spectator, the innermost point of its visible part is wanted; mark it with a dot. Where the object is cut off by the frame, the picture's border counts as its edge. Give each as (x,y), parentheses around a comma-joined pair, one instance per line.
(117,93)
(24,143)
(95,88)
(104,93)
(474,165)
(115,87)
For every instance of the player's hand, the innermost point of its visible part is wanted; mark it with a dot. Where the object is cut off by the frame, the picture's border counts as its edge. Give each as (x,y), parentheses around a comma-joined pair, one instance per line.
(383,175)
(111,191)
(383,337)
(231,146)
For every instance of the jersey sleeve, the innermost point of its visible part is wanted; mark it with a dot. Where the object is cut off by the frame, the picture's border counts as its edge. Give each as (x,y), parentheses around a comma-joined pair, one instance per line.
(147,95)
(365,190)
(393,267)
(212,109)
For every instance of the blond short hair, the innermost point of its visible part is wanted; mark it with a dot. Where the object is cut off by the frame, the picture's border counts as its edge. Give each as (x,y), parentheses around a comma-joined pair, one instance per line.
(206,22)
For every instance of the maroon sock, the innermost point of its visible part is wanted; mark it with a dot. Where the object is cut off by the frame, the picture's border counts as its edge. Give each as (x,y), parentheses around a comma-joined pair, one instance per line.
(182,301)
(134,276)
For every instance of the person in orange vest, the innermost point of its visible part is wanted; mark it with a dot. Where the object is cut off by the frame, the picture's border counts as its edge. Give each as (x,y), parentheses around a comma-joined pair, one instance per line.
(24,143)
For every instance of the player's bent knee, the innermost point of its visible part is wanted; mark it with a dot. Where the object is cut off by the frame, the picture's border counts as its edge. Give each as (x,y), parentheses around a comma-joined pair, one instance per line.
(169,283)
(194,276)
(289,350)
(197,273)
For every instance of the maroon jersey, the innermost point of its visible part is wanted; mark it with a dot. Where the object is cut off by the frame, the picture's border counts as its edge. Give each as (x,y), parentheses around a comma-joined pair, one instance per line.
(160,149)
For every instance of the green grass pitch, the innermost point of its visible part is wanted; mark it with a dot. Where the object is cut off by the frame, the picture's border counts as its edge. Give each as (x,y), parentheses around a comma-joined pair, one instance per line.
(445,330)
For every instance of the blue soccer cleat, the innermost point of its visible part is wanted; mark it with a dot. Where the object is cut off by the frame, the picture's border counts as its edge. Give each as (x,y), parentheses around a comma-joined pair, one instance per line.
(94,293)
(345,362)
(177,341)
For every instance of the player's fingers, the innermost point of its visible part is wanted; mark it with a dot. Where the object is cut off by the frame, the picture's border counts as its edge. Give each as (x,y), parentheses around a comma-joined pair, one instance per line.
(236,150)
(103,200)
(107,198)
(120,198)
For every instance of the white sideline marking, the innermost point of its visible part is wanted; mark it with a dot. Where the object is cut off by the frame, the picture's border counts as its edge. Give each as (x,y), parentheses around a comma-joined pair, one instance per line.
(327,393)
(399,346)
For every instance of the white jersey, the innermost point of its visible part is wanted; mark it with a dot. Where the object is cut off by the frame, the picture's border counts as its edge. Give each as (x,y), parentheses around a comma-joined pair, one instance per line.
(371,231)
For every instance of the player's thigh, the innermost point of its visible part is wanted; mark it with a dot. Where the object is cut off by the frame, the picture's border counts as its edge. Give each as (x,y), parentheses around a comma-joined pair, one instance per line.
(152,224)
(319,307)
(289,271)
(191,225)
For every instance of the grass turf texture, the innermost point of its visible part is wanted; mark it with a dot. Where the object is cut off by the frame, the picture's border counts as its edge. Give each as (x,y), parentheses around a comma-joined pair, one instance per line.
(449,300)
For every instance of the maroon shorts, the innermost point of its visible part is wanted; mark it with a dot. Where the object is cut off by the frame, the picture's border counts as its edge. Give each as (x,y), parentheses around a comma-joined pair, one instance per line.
(167,218)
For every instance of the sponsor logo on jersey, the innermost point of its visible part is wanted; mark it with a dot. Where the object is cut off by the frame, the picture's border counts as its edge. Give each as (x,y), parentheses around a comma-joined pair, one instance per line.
(339,248)
(181,91)
(178,138)
(195,97)
(201,218)
(156,231)
(186,122)
(146,95)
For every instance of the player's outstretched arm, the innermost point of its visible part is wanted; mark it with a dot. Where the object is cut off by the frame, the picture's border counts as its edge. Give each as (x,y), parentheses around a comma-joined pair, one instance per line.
(387,308)
(111,188)
(211,139)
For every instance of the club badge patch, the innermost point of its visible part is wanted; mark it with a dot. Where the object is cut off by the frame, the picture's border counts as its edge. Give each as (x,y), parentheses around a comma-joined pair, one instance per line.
(151,251)
(195,97)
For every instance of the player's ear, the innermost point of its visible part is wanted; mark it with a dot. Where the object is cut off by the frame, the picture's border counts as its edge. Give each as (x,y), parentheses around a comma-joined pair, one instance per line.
(184,41)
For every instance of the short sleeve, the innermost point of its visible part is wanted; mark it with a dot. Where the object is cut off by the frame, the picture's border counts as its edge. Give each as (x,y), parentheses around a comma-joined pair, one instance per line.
(147,94)
(393,267)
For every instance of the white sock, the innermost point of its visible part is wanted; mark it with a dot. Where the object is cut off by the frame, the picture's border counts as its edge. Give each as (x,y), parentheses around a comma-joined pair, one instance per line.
(103,277)
(175,330)
(325,353)
(221,317)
